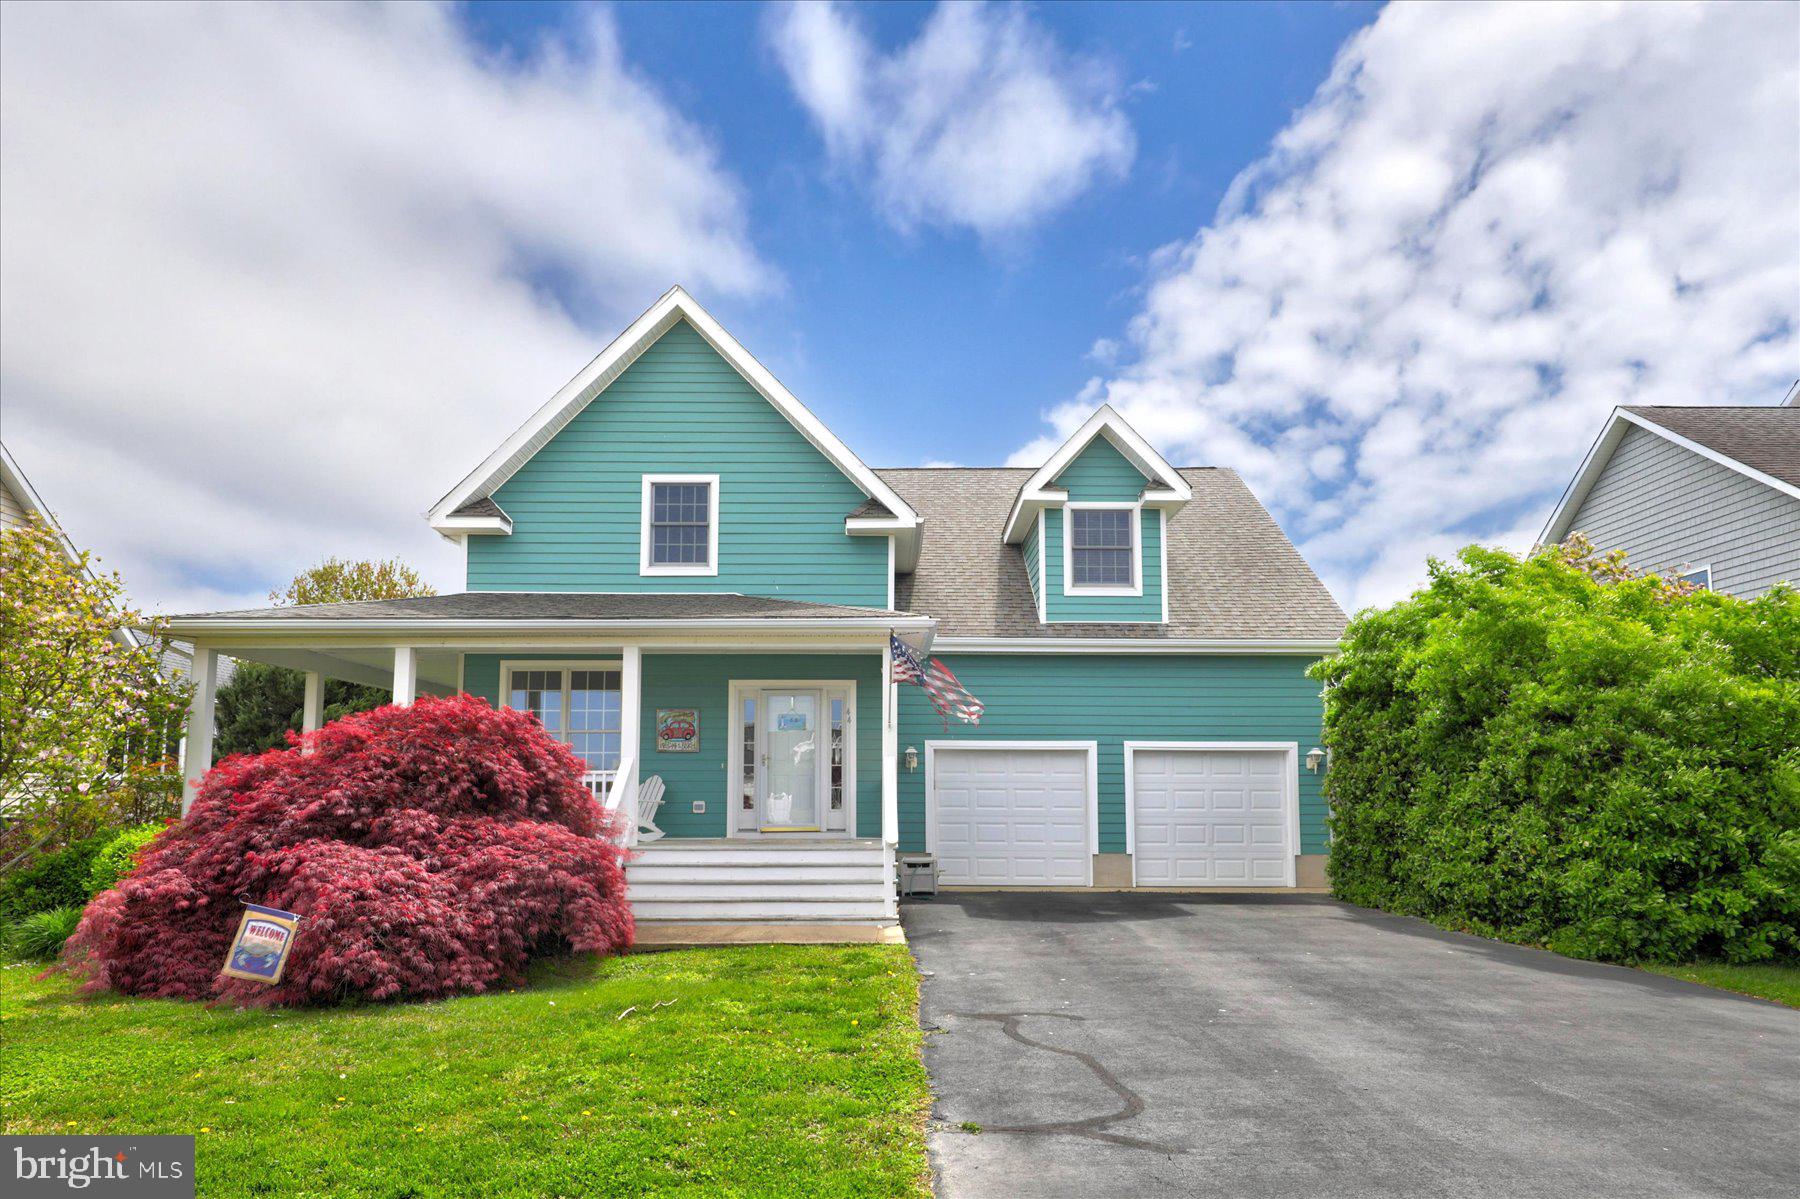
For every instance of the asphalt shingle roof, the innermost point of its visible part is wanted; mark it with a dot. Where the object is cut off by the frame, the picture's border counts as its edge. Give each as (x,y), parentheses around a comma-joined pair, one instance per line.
(1233,574)
(559,605)
(1764,439)
(480,506)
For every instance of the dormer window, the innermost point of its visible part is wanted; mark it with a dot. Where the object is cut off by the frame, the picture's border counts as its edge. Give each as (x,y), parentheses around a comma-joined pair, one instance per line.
(1104,554)
(680,525)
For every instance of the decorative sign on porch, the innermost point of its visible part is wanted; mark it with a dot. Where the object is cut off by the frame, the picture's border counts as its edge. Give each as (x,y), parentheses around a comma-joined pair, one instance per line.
(259,952)
(677,730)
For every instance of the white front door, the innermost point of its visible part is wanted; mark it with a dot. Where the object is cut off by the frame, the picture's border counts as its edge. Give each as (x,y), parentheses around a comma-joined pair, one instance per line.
(790,741)
(1011,816)
(1212,817)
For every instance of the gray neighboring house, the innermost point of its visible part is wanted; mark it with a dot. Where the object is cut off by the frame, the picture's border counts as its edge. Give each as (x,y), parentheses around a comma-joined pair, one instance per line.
(1708,494)
(18,498)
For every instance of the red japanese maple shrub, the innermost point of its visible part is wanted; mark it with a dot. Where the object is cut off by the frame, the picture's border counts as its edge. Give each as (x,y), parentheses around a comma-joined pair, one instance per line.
(430,850)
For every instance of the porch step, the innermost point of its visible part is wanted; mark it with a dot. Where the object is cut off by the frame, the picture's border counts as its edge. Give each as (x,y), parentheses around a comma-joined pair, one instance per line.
(762,881)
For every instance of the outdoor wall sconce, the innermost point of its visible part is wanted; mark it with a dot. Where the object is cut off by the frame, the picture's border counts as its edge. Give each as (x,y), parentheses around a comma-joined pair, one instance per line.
(912,758)
(1315,757)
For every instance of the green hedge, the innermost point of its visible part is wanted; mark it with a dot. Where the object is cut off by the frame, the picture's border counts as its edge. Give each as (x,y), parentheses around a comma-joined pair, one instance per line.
(115,861)
(55,880)
(1611,769)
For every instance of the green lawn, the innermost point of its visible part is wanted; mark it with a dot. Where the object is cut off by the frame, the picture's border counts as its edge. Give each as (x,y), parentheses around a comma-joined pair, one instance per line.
(1778,982)
(774,1070)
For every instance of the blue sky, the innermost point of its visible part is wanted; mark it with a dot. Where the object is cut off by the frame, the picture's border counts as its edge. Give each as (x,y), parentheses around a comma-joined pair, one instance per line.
(1393,265)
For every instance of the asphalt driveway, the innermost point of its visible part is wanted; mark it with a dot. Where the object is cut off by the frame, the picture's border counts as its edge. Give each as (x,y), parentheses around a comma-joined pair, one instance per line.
(1294,1046)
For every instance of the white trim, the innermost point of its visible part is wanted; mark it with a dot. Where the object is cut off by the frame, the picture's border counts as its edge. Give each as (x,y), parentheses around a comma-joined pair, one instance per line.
(1038,492)
(646,508)
(1130,645)
(197,748)
(1070,588)
(1588,473)
(1090,748)
(890,750)
(1162,558)
(208,626)
(1290,751)
(1043,587)
(462,527)
(674,305)
(734,754)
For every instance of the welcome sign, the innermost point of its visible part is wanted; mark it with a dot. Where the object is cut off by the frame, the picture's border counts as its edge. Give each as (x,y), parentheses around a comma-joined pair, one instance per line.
(259,952)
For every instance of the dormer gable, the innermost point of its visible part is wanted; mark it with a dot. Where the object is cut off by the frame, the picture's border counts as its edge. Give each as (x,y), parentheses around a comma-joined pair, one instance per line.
(1090,460)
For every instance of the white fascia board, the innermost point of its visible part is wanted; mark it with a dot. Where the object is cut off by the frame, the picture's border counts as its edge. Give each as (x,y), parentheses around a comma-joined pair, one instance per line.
(907,535)
(1558,526)
(675,305)
(1133,645)
(1038,493)
(204,627)
(474,526)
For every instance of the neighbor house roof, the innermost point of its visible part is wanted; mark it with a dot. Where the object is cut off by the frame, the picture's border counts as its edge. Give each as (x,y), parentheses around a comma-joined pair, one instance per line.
(1763,439)
(1760,443)
(1233,575)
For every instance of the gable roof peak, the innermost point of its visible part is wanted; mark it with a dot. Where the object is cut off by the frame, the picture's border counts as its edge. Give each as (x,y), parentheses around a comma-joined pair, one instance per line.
(1166,486)
(675,305)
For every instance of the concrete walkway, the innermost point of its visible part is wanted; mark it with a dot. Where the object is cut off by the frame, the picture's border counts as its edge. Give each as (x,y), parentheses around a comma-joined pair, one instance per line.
(1142,1045)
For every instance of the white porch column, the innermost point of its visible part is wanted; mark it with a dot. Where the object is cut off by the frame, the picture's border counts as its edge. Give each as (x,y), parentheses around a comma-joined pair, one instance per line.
(312,709)
(631,702)
(197,760)
(406,675)
(890,750)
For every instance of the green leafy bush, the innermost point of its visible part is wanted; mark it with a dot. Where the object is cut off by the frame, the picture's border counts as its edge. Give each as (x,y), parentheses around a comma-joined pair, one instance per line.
(41,934)
(115,861)
(1553,751)
(54,880)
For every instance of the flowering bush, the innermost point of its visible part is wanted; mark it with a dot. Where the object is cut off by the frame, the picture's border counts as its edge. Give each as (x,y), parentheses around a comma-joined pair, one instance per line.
(430,850)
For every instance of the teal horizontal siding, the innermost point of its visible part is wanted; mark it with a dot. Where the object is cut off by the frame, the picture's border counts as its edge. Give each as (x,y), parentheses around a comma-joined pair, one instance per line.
(1114,699)
(1100,473)
(576,506)
(1107,608)
(1034,569)
(702,681)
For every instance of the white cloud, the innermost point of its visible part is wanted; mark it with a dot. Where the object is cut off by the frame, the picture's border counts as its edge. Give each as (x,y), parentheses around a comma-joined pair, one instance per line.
(1492,223)
(273,277)
(982,121)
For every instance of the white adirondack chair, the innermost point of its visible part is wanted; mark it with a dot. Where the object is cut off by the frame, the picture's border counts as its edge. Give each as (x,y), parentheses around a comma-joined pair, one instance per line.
(649,798)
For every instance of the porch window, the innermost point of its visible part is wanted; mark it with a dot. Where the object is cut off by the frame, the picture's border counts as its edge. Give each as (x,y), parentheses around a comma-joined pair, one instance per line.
(579,707)
(1101,547)
(680,525)
(837,755)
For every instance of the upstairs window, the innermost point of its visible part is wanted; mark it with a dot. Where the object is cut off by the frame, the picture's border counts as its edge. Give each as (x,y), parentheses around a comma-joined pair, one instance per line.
(681,525)
(1102,549)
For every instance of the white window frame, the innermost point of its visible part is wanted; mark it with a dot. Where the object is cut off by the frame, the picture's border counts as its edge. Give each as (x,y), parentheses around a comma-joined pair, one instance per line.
(1290,756)
(1686,574)
(648,568)
(735,692)
(1069,586)
(1091,750)
(565,665)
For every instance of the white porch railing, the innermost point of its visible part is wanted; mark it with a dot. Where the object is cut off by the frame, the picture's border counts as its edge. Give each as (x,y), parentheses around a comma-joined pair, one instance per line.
(616,790)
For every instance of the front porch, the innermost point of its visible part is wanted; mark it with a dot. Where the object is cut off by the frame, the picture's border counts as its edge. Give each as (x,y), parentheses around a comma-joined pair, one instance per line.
(774,740)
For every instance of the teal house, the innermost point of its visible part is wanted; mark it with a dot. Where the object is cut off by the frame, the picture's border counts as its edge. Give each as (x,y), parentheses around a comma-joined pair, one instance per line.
(699,587)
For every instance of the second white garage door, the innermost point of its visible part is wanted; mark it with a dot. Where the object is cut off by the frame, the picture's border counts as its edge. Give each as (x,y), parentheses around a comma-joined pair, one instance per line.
(1212,817)
(1009,817)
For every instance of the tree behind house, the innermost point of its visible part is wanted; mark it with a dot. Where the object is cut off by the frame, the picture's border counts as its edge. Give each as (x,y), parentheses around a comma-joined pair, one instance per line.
(82,702)
(262,703)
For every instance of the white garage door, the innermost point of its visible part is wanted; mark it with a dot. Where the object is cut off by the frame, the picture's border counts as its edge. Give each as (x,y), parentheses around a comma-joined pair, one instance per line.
(1211,818)
(1011,817)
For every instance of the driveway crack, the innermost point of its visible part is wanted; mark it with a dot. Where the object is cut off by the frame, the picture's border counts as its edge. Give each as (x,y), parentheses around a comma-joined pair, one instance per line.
(1093,1127)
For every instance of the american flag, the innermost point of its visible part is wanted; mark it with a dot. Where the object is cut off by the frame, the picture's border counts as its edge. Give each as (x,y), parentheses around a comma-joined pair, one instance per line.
(947,695)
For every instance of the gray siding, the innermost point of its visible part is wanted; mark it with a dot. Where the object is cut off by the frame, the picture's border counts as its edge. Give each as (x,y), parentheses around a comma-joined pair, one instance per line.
(1670,509)
(12,512)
